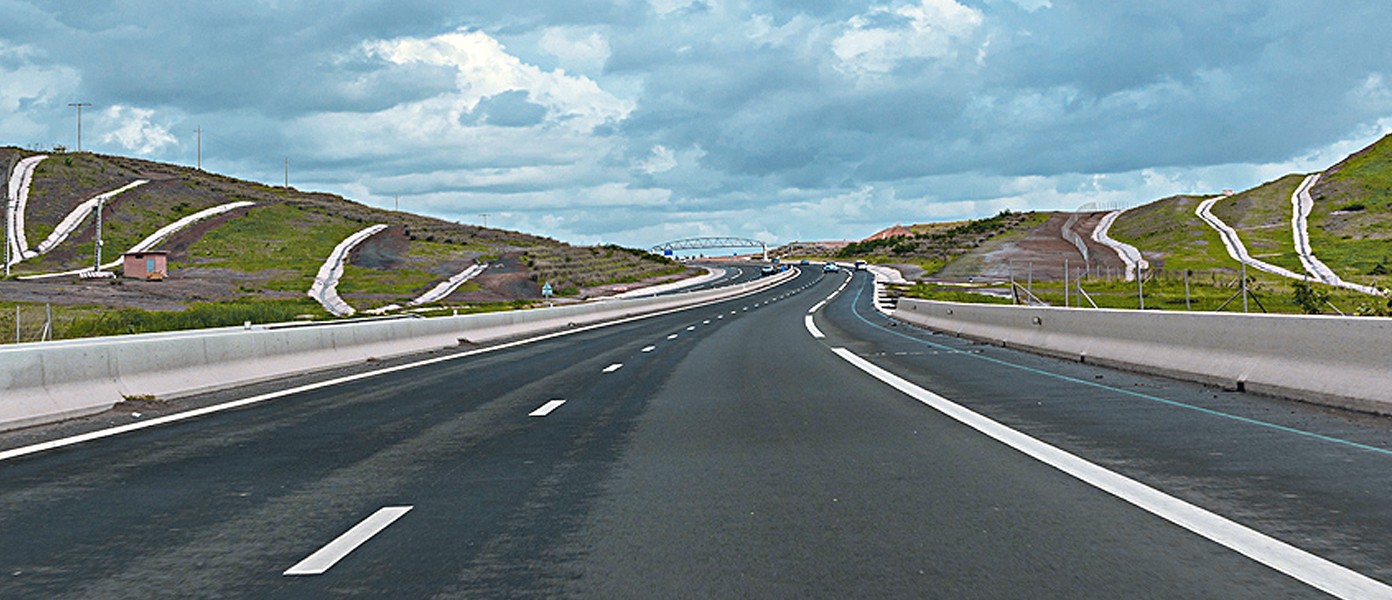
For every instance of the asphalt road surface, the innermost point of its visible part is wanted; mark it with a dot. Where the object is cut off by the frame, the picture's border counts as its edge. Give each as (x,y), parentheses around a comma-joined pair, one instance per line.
(719,451)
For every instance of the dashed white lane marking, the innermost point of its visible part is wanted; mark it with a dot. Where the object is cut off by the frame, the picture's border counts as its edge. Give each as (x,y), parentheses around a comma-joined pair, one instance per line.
(1315,571)
(326,557)
(691,328)
(613,367)
(733,312)
(818,307)
(547,408)
(672,337)
(649,349)
(706,322)
(812,328)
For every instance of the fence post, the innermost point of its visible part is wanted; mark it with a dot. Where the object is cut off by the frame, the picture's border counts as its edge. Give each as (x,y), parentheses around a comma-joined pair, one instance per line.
(1186,290)
(1140,286)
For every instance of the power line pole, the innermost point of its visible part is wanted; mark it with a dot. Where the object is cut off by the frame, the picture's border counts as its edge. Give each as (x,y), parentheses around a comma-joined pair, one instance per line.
(200,148)
(287,172)
(79,106)
(485,220)
(398,203)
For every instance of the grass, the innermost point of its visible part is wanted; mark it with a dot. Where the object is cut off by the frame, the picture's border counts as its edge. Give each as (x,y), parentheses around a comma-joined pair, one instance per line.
(1354,242)
(270,237)
(1171,236)
(1262,218)
(1207,292)
(70,322)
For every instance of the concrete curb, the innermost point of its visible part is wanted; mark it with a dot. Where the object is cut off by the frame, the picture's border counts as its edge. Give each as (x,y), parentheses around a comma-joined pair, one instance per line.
(44,383)
(1335,361)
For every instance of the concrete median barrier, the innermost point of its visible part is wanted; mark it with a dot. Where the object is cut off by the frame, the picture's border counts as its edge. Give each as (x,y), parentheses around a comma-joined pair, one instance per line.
(47,382)
(1336,361)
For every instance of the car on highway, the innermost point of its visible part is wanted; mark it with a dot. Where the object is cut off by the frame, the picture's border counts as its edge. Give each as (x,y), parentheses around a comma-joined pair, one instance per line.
(830,268)
(860,265)
(767,270)
(804,262)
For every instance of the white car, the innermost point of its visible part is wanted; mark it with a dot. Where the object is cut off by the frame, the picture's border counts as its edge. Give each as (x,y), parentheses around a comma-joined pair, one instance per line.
(830,268)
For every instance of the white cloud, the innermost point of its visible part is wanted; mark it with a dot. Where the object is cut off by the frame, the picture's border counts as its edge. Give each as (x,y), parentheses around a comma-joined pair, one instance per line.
(134,130)
(576,50)
(661,160)
(877,41)
(1373,93)
(665,7)
(485,69)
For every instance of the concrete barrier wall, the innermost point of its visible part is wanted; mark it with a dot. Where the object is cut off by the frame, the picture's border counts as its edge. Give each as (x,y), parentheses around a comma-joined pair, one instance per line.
(42,383)
(1338,361)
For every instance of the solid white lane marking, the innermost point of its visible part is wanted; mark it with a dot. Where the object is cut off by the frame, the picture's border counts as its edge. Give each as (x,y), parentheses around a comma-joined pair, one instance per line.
(547,408)
(818,307)
(1315,571)
(613,367)
(672,337)
(649,349)
(326,557)
(812,327)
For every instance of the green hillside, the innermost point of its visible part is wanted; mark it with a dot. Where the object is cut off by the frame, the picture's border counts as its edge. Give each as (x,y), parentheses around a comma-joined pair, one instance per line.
(1171,236)
(1351,223)
(268,254)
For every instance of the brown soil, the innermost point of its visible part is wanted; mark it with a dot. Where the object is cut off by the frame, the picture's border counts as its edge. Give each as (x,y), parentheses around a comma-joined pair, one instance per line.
(1044,251)
(385,250)
(506,279)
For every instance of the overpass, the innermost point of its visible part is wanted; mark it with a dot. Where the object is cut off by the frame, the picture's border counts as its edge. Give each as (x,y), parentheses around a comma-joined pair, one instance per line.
(710,243)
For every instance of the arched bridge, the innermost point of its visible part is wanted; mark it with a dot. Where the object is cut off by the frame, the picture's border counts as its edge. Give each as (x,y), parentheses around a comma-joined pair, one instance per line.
(710,243)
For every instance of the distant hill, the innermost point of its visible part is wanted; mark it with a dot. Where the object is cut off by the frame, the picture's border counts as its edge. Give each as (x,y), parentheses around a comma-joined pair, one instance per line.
(270,251)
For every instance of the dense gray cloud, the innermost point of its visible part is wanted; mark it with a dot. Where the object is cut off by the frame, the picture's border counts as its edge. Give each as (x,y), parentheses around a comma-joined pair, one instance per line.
(635,121)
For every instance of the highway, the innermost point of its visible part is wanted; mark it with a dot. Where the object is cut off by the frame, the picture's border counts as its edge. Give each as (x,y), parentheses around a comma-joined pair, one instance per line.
(719,451)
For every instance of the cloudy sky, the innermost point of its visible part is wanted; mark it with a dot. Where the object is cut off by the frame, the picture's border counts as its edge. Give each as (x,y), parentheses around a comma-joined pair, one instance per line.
(643,121)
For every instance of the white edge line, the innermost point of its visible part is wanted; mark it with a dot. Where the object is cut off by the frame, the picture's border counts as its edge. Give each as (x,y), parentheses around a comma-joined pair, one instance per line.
(1313,570)
(812,327)
(817,307)
(309,387)
(325,558)
(547,408)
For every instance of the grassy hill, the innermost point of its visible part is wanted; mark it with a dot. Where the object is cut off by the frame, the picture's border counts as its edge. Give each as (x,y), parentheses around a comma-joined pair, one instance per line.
(265,256)
(1350,230)
(1351,223)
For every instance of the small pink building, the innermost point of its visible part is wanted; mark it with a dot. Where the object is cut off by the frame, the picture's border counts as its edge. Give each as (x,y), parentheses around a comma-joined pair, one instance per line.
(146,265)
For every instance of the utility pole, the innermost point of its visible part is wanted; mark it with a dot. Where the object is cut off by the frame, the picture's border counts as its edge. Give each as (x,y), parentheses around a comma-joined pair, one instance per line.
(200,148)
(287,172)
(485,220)
(398,203)
(79,106)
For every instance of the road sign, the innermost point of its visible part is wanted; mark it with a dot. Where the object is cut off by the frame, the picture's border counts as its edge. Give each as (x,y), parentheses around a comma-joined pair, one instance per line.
(546,290)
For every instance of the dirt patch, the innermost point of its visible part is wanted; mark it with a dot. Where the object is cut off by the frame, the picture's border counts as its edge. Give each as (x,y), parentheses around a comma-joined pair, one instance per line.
(1043,252)
(506,279)
(385,250)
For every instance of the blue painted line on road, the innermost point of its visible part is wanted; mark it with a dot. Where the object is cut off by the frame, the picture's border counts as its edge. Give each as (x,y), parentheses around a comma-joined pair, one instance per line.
(1125,392)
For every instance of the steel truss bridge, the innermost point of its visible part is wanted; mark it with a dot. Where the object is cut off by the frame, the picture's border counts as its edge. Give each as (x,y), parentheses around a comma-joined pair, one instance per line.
(710,243)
